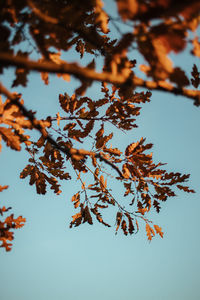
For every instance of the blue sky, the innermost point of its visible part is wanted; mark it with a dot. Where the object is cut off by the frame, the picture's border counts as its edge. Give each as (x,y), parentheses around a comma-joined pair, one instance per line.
(51,261)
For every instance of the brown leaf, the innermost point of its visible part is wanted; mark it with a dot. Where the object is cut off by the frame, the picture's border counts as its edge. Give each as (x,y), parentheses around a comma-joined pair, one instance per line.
(185,188)
(102,17)
(21,77)
(150,232)
(77,219)
(196,45)
(178,76)
(118,220)
(114,151)
(94,161)
(172,39)
(41,141)
(12,140)
(76,200)
(164,64)
(87,216)
(130,225)
(26,171)
(100,132)
(130,148)
(99,217)
(80,47)
(127,8)
(156,205)
(45,77)
(196,77)
(158,230)
(124,227)
(19,222)
(64,101)
(58,118)
(125,170)
(102,182)
(4,187)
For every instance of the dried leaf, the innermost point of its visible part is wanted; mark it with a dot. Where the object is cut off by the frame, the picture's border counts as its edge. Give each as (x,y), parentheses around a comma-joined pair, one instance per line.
(196,45)
(4,187)
(58,118)
(158,230)
(102,17)
(12,140)
(130,226)
(185,188)
(150,232)
(77,219)
(45,77)
(87,216)
(118,220)
(196,77)
(127,8)
(124,227)
(102,184)
(178,76)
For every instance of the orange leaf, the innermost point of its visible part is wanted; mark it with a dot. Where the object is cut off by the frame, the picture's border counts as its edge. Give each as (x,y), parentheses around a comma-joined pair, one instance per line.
(118,220)
(102,182)
(45,77)
(127,8)
(150,232)
(124,227)
(58,118)
(4,187)
(158,230)
(10,138)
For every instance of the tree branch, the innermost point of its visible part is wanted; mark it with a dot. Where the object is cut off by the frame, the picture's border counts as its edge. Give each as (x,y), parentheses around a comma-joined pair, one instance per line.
(63,68)
(90,74)
(41,15)
(104,119)
(36,124)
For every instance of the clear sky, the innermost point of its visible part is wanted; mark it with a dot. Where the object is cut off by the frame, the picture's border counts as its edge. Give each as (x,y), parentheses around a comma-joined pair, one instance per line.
(51,261)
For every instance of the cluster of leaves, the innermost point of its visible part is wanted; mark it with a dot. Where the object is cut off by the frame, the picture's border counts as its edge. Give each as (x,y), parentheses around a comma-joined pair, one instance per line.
(12,131)
(8,224)
(157,28)
(144,182)
(14,123)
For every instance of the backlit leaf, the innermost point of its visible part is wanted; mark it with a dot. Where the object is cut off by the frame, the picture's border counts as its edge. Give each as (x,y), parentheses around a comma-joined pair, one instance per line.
(158,230)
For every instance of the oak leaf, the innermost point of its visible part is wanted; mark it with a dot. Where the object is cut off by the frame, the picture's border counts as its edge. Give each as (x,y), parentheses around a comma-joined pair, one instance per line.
(158,230)
(4,187)
(150,232)
(12,140)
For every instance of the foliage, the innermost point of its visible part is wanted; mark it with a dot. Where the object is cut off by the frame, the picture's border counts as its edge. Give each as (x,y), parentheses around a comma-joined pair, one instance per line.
(156,29)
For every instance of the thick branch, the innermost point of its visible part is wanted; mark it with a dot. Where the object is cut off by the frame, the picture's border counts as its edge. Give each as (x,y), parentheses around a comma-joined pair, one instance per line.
(63,68)
(90,74)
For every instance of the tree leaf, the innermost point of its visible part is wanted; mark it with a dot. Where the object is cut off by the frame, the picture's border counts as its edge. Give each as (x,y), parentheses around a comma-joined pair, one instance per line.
(12,140)
(158,230)
(150,232)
